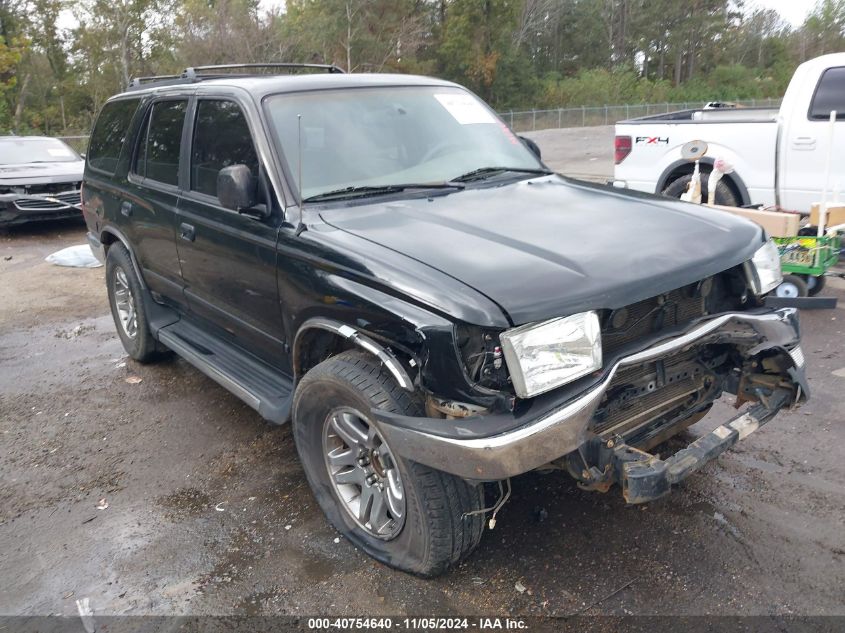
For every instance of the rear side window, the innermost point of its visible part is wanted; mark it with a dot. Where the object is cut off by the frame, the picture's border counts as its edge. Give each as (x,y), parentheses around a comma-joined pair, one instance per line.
(830,95)
(158,153)
(110,133)
(221,138)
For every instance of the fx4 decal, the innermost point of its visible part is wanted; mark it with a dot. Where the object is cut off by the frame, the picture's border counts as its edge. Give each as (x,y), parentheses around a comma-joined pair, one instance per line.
(653,140)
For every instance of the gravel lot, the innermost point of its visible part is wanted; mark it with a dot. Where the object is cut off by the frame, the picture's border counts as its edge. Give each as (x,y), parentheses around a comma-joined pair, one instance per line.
(208,511)
(581,152)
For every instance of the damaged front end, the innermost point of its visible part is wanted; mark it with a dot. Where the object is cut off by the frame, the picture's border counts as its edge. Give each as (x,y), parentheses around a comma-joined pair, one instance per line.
(648,391)
(759,361)
(48,201)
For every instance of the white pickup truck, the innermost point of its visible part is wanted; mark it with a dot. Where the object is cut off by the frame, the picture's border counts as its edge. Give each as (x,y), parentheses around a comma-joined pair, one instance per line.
(779,156)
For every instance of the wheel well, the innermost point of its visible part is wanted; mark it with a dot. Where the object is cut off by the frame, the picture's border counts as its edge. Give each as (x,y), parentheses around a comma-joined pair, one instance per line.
(316,345)
(107,239)
(320,338)
(687,168)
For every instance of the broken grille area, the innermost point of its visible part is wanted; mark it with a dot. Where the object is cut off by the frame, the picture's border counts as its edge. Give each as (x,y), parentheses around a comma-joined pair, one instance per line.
(624,326)
(638,320)
(644,399)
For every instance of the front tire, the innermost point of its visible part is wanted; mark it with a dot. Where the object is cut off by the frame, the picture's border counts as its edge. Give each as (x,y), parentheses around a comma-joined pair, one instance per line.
(404,514)
(126,299)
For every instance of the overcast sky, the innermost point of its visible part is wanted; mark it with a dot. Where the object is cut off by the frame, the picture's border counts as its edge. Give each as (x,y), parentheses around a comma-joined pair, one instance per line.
(793,11)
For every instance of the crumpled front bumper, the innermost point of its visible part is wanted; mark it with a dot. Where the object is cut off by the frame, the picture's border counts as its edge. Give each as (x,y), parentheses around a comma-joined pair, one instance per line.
(645,477)
(460,447)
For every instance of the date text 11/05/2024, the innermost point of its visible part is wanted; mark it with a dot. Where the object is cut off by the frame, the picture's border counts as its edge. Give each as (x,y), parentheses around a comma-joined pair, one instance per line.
(423,623)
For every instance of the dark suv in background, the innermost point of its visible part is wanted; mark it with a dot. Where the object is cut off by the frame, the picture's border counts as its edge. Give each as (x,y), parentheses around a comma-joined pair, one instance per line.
(379,259)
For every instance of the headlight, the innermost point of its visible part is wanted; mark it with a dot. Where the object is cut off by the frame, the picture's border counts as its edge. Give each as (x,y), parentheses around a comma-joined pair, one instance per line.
(764,271)
(543,356)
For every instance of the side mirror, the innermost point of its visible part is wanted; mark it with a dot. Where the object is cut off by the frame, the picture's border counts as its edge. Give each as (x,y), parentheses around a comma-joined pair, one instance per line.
(535,149)
(237,187)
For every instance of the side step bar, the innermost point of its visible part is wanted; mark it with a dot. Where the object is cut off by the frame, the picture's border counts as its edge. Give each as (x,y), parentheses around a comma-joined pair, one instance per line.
(262,387)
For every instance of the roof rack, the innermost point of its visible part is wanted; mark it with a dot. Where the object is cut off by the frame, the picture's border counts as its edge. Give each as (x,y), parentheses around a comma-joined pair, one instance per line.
(220,71)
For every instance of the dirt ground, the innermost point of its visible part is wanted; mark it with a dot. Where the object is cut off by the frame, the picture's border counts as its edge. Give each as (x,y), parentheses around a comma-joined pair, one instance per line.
(208,511)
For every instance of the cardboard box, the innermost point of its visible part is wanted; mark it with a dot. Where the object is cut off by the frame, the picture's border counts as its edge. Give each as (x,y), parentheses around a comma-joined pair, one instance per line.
(776,223)
(835,215)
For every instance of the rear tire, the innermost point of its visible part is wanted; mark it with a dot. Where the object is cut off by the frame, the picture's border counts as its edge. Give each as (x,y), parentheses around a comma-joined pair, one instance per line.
(128,307)
(430,529)
(725,196)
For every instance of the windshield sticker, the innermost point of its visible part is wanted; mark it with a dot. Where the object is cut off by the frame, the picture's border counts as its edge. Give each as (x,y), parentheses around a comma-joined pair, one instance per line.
(60,151)
(465,108)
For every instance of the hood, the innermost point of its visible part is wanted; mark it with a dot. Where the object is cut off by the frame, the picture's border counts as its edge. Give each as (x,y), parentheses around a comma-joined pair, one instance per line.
(549,247)
(41,173)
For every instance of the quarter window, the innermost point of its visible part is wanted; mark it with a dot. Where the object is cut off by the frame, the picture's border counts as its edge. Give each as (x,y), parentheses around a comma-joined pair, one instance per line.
(110,133)
(221,138)
(830,95)
(158,154)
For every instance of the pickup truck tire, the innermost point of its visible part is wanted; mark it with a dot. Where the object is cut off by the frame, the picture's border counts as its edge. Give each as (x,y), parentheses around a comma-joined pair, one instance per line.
(126,300)
(724,194)
(434,529)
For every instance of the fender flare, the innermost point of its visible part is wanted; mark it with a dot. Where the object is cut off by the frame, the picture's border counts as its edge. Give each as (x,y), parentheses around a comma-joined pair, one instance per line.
(110,230)
(158,315)
(358,339)
(663,181)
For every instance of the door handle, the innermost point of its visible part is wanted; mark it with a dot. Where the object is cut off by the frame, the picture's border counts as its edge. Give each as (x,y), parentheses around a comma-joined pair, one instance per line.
(126,208)
(187,232)
(804,142)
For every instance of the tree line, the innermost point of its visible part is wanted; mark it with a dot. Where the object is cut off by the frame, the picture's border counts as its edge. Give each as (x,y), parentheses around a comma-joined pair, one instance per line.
(60,60)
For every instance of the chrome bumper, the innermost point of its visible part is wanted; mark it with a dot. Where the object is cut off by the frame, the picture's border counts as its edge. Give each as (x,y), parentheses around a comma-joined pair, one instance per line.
(557,432)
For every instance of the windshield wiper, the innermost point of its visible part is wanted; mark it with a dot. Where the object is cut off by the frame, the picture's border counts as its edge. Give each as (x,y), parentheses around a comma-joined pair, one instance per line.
(487,172)
(377,190)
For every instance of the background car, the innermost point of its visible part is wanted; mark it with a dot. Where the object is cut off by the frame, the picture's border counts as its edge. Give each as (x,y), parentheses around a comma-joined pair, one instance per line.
(39,180)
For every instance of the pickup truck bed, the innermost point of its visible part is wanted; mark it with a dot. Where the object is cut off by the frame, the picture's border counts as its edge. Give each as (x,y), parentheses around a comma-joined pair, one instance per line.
(779,156)
(655,160)
(717,115)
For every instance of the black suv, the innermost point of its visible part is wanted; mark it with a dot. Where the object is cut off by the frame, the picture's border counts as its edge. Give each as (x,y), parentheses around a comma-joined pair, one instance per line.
(379,259)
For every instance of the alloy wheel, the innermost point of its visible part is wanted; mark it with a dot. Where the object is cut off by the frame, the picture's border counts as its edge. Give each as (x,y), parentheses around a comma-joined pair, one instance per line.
(124,302)
(364,473)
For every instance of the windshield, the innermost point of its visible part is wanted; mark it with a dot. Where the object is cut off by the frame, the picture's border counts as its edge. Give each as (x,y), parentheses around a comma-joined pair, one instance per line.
(378,137)
(17,151)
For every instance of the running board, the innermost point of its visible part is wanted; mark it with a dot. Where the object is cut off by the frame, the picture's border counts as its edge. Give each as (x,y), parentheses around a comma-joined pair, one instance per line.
(262,387)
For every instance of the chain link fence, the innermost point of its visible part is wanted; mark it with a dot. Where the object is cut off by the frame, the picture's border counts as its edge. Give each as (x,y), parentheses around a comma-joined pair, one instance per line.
(528,120)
